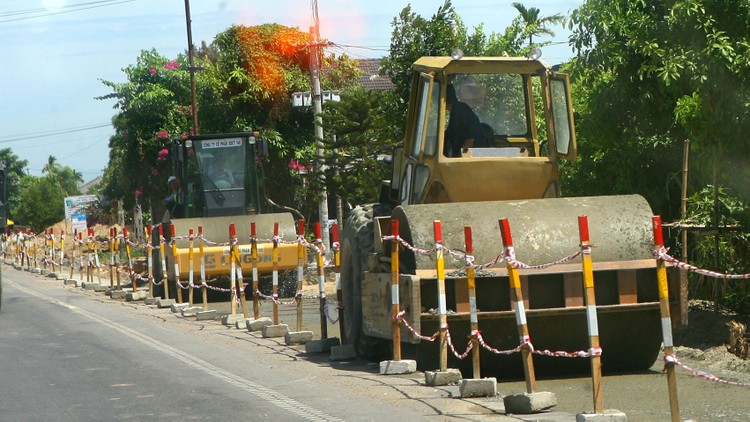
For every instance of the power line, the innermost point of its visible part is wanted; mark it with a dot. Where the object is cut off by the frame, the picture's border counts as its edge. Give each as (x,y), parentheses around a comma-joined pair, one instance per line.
(19,15)
(36,135)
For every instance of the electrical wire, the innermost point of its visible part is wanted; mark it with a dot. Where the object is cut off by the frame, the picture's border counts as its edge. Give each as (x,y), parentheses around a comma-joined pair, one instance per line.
(18,138)
(40,12)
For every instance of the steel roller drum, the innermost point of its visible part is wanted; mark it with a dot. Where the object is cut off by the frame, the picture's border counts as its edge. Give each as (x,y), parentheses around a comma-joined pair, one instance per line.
(543,230)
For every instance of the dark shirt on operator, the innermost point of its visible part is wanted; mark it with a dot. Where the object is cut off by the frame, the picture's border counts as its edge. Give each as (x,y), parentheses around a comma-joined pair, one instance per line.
(463,125)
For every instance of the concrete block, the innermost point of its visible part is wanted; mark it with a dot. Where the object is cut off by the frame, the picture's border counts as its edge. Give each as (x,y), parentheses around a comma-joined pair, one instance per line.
(609,415)
(44,271)
(322,345)
(18,267)
(257,324)
(51,275)
(232,319)
(69,282)
(81,284)
(343,352)
(150,300)
(118,294)
(100,288)
(164,303)
(297,337)
(483,387)
(450,376)
(269,331)
(208,315)
(398,367)
(525,403)
(36,271)
(176,307)
(89,286)
(134,296)
(190,311)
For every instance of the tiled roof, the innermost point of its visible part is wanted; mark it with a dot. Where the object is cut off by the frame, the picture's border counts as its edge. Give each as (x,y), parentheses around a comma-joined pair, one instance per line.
(370,78)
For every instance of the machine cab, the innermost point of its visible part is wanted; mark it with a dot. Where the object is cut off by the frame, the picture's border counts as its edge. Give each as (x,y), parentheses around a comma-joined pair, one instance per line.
(219,173)
(517,111)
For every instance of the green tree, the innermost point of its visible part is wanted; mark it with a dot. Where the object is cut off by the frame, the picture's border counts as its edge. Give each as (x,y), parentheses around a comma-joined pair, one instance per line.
(535,25)
(41,199)
(14,172)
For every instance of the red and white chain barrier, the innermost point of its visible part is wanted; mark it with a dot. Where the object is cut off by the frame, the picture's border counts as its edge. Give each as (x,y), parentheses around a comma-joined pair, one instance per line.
(701,374)
(662,254)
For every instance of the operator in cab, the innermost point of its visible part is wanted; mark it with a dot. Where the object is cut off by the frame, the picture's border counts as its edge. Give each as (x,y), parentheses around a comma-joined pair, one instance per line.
(175,202)
(464,128)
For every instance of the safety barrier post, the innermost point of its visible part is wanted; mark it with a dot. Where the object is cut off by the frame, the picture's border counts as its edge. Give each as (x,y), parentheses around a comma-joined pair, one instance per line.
(72,257)
(254,266)
(202,258)
(591,315)
(337,274)
(62,249)
(442,306)
(232,265)
(117,259)
(275,273)
(176,257)
(50,250)
(191,286)
(80,246)
(150,262)
(111,257)
(90,256)
(128,255)
(163,257)
(396,324)
(516,295)
(321,282)
(300,270)
(473,320)
(666,321)
(96,257)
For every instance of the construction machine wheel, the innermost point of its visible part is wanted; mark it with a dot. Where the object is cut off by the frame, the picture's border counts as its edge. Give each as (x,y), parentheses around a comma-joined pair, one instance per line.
(357,244)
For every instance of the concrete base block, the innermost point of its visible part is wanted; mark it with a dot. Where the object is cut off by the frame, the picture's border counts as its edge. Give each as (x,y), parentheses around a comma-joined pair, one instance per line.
(343,352)
(118,294)
(609,415)
(208,315)
(526,403)
(232,319)
(297,337)
(69,282)
(89,286)
(450,376)
(134,296)
(18,267)
(51,275)
(44,271)
(151,300)
(81,284)
(190,311)
(176,307)
(100,288)
(269,331)
(483,387)
(257,324)
(164,303)
(322,345)
(36,271)
(398,367)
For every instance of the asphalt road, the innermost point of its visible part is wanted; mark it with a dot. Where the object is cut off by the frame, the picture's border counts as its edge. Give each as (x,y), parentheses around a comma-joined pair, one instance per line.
(73,355)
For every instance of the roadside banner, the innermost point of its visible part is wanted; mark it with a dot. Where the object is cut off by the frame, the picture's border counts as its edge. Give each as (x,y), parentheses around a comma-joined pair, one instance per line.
(77,204)
(78,222)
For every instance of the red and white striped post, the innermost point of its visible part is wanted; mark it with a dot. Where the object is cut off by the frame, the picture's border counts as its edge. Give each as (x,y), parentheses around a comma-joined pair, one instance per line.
(442,305)
(202,258)
(62,249)
(321,281)
(232,265)
(275,273)
(666,321)
(191,258)
(591,315)
(133,280)
(516,295)
(89,248)
(396,307)
(150,261)
(473,320)
(117,259)
(300,270)
(176,258)
(254,266)
(337,272)
(112,269)
(163,257)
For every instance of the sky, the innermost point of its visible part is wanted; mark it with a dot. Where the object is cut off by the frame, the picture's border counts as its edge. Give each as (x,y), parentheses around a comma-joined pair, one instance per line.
(56,52)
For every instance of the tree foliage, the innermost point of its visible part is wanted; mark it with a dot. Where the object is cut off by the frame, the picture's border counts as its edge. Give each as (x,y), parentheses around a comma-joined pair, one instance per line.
(651,74)
(41,199)
(14,172)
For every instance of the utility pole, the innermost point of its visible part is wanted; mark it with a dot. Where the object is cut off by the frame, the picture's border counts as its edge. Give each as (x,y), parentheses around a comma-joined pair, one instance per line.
(192,67)
(317,109)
